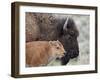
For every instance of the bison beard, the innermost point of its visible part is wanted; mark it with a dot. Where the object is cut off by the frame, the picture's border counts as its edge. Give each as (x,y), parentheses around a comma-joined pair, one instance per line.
(50,27)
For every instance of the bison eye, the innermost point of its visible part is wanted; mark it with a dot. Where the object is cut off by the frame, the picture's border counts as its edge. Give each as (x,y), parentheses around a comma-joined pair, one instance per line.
(72,33)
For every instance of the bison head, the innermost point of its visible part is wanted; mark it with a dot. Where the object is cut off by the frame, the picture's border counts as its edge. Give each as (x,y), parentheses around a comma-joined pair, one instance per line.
(69,40)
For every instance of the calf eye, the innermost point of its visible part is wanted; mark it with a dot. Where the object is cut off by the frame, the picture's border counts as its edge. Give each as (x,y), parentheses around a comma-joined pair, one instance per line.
(57,47)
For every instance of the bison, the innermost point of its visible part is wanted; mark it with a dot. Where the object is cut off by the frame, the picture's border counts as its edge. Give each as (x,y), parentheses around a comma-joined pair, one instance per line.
(51,26)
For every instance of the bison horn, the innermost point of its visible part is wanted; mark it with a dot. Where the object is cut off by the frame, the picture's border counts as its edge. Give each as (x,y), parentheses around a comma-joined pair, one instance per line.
(65,24)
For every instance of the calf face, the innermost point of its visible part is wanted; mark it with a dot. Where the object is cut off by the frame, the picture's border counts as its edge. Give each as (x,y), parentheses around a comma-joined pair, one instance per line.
(57,49)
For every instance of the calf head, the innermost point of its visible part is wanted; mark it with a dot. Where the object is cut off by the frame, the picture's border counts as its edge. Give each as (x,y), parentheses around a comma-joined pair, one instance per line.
(57,49)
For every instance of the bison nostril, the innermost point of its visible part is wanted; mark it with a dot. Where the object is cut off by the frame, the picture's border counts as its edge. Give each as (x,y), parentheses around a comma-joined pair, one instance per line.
(74,53)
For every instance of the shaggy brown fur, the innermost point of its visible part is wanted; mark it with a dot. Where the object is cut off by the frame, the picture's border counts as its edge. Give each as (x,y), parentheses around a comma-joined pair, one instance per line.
(32,28)
(40,53)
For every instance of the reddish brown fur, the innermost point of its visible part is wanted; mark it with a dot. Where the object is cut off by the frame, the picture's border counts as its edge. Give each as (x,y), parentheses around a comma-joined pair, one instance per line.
(39,52)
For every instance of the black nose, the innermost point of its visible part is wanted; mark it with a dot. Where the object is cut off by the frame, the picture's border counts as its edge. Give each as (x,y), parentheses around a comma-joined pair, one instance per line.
(70,54)
(74,53)
(65,59)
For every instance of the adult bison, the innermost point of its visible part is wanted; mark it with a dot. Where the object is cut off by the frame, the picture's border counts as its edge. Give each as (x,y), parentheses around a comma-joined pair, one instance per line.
(47,26)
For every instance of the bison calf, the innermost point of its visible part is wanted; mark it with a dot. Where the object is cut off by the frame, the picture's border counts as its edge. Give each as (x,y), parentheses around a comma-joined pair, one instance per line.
(39,53)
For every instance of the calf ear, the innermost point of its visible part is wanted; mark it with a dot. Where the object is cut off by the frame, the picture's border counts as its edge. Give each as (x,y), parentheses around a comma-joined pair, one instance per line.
(52,43)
